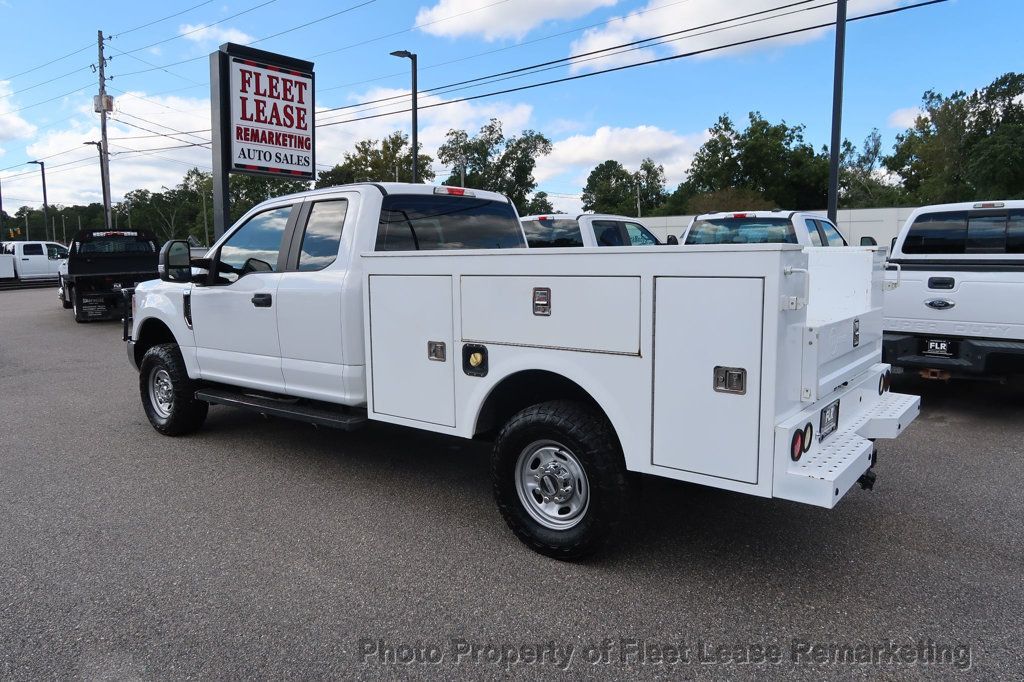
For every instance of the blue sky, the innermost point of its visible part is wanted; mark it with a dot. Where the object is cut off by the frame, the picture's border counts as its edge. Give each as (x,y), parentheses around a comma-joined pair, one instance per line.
(661,110)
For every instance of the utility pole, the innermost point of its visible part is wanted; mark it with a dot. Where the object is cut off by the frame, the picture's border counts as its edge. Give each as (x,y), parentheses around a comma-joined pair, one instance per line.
(46,210)
(1,210)
(26,225)
(837,112)
(103,104)
(63,228)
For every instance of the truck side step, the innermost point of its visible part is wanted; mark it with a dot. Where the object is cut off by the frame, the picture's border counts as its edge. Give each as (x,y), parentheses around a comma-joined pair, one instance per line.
(300,410)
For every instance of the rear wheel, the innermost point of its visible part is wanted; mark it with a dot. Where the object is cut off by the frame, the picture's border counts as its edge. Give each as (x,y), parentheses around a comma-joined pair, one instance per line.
(168,395)
(559,478)
(76,303)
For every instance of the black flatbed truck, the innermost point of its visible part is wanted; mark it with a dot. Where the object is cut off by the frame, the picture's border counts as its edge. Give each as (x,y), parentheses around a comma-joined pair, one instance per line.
(100,264)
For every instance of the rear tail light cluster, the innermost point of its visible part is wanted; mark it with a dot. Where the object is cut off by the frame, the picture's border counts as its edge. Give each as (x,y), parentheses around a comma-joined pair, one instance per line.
(801,442)
(884,382)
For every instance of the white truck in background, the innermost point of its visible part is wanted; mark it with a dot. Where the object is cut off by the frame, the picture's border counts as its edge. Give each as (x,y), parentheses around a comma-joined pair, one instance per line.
(418,306)
(31,261)
(959,308)
(556,230)
(763,227)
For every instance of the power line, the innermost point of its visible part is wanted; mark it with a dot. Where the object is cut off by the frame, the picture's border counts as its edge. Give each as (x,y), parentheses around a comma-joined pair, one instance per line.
(508,47)
(150,130)
(411,28)
(52,61)
(41,83)
(204,27)
(693,53)
(46,101)
(314,21)
(157,21)
(585,54)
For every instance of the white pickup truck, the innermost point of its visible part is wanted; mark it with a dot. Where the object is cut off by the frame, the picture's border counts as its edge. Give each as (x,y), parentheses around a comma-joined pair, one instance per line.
(959,308)
(419,306)
(28,261)
(763,227)
(588,229)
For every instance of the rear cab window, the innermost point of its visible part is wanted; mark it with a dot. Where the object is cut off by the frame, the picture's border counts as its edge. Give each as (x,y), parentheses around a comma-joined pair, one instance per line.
(552,233)
(426,222)
(32,250)
(732,230)
(966,232)
(114,242)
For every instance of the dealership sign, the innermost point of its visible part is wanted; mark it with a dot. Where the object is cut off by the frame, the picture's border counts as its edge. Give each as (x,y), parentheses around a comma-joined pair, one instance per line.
(263,113)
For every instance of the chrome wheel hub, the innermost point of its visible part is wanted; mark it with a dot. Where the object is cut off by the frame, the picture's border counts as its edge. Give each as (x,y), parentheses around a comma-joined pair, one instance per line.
(161,392)
(552,485)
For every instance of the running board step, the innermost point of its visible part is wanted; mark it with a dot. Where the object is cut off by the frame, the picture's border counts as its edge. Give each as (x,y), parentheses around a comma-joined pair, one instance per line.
(321,416)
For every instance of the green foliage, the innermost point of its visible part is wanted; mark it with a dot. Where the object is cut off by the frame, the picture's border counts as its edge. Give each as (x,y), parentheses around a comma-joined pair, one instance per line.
(539,203)
(729,199)
(493,162)
(611,188)
(966,146)
(771,159)
(862,183)
(387,160)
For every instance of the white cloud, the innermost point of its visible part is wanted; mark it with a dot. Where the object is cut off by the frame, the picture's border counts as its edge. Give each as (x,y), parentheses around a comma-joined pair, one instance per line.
(657,18)
(904,118)
(12,126)
(214,34)
(573,158)
(493,20)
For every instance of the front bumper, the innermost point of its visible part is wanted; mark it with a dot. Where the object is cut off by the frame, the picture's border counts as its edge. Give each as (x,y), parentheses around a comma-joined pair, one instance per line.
(828,468)
(970,357)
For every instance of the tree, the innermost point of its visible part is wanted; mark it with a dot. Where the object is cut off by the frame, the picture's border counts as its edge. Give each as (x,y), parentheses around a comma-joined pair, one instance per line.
(729,199)
(771,159)
(384,160)
(610,188)
(539,203)
(493,162)
(862,183)
(248,190)
(966,146)
(651,180)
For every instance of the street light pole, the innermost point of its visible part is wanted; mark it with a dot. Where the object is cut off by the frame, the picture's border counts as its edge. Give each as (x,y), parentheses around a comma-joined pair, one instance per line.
(837,112)
(405,54)
(46,210)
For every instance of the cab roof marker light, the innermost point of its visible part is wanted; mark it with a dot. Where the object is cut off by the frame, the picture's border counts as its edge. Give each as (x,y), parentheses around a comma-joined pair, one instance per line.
(990,204)
(454,191)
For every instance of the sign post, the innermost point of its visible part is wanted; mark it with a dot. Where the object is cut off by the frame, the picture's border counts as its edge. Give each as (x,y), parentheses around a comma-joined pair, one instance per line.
(262,120)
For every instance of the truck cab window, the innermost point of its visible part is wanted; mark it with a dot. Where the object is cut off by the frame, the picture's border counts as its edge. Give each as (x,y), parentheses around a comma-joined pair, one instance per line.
(322,236)
(608,233)
(553,233)
(33,250)
(986,233)
(56,251)
(255,246)
(812,230)
(937,233)
(639,235)
(832,234)
(423,222)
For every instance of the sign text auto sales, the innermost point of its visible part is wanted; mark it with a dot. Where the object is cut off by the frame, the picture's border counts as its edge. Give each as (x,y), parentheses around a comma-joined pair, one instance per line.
(271,119)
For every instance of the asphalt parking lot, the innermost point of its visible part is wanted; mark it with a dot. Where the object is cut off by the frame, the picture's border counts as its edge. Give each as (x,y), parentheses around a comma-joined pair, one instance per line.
(268,548)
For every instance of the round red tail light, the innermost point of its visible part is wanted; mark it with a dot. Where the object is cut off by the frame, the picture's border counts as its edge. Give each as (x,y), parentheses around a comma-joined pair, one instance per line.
(796,447)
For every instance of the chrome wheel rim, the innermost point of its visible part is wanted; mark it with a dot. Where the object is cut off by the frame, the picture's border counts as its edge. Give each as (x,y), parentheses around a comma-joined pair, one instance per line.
(161,392)
(552,485)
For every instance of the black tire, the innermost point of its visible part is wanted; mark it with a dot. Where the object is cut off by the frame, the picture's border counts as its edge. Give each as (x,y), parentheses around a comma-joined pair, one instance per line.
(64,295)
(587,437)
(183,413)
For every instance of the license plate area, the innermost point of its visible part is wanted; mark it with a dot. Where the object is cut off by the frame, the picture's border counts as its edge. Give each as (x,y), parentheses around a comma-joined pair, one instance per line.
(829,421)
(942,348)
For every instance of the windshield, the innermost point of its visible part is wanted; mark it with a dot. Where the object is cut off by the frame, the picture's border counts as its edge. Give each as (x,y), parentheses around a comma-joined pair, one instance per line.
(742,231)
(115,242)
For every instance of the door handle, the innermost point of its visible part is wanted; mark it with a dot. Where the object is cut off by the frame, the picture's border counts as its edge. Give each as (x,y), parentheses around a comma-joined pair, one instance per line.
(26,259)
(262,300)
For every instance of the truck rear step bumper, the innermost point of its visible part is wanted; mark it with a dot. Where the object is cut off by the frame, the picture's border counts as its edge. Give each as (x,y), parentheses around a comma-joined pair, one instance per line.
(824,474)
(971,357)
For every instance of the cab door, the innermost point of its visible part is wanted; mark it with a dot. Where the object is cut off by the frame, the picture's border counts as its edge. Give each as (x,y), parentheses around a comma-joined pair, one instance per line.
(234,315)
(32,262)
(55,255)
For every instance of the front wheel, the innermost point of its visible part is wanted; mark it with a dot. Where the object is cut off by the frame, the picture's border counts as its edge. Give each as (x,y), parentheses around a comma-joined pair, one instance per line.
(559,478)
(168,395)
